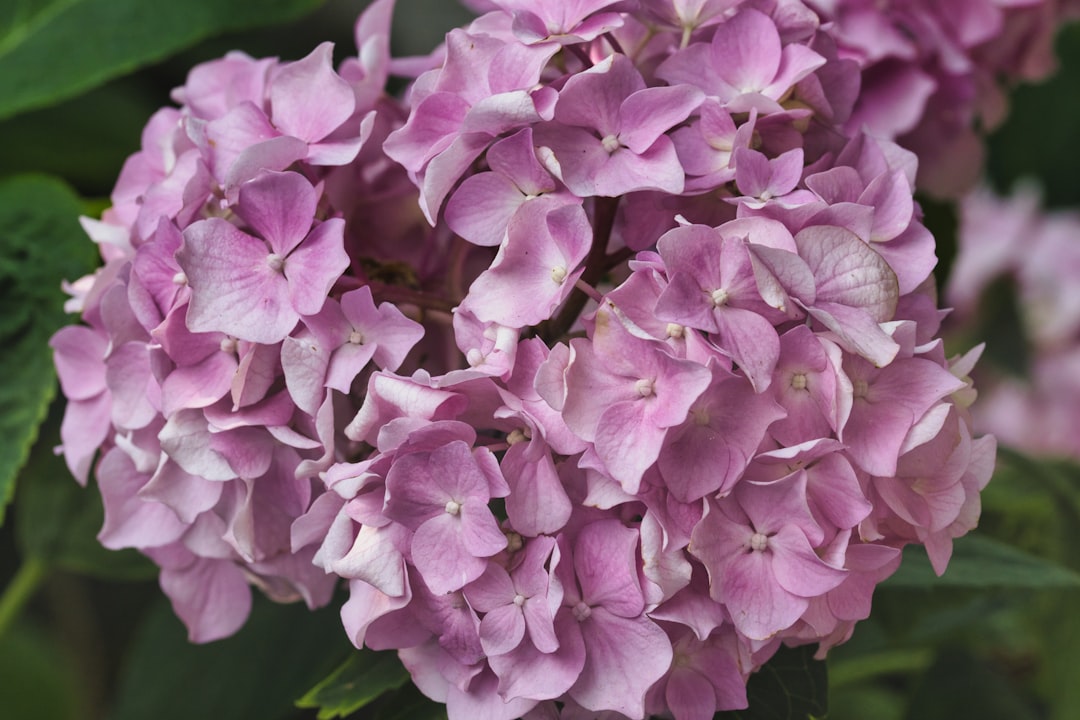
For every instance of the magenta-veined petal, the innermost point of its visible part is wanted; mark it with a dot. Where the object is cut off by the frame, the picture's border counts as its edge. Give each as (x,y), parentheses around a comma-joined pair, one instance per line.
(624,657)
(502,629)
(308,99)
(606,566)
(689,695)
(314,267)
(234,289)
(279,206)
(440,556)
(530,673)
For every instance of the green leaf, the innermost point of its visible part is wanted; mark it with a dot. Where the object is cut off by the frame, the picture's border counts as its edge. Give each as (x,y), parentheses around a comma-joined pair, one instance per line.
(980,562)
(408,703)
(57,140)
(53,49)
(363,677)
(960,686)
(39,681)
(257,673)
(41,244)
(791,686)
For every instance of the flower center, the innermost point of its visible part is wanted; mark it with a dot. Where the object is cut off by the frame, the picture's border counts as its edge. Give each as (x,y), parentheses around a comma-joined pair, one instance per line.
(275,261)
(356,337)
(722,143)
(798,381)
(518,435)
(228,345)
(674,330)
(179,279)
(644,387)
(514,542)
(453,507)
(719,297)
(582,611)
(519,599)
(474,357)
(558,274)
(610,143)
(759,542)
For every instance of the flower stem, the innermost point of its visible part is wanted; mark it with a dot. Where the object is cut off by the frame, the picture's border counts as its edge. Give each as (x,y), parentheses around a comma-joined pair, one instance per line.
(398,294)
(21,588)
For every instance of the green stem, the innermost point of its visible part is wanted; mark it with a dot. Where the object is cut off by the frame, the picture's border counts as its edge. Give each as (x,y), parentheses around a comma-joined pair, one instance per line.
(20,590)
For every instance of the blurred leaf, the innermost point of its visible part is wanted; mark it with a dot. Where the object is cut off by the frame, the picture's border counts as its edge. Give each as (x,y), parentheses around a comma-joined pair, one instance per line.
(53,49)
(958,685)
(84,140)
(41,244)
(791,686)
(282,651)
(860,703)
(981,562)
(863,667)
(363,677)
(37,681)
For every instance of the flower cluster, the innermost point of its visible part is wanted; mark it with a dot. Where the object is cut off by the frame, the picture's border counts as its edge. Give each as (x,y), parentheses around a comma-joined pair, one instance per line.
(600,370)
(1011,239)
(934,74)
(190,378)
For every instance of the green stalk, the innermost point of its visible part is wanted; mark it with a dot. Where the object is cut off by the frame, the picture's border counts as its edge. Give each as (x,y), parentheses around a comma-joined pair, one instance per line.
(20,590)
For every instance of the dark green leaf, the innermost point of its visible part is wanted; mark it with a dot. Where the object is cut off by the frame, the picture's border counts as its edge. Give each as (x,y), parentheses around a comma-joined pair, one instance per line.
(41,244)
(860,703)
(960,686)
(57,139)
(52,49)
(791,686)
(408,703)
(37,682)
(981,562)
(363,677)
(257,673)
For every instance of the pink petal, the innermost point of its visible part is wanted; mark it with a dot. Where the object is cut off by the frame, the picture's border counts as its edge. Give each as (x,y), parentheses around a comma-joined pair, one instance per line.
(502,629)
(537,503)
(624,657)
(308,99)
(529,673)
(689,695)
(439,554)
(314,267)
(605,560)
(234,288)
(279,207)
(797,568)
(759,606)
(131,520)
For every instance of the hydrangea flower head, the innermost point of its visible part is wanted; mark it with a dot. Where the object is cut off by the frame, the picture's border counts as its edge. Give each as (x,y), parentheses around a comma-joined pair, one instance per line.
(597,371)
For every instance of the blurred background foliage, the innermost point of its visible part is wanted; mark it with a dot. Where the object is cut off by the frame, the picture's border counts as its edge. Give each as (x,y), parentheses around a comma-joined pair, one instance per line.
(85,633)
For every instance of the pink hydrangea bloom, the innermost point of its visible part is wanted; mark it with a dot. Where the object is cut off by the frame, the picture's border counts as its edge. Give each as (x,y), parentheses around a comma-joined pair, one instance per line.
(598,370)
